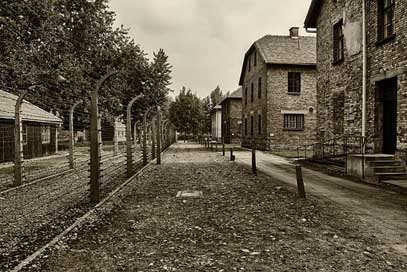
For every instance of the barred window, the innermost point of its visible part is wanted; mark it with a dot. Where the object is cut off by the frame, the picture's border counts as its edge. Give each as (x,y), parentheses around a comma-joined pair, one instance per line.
(252,93)
(386,19)
(245,96)
(25,135)
(245,126)
(294,83)
(338,42)
(259,90)
(259,124)
(294,121)
(251,125)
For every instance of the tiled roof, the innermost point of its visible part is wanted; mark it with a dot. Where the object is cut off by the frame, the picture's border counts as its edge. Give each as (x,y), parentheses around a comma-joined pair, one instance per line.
(235,95)
(29,111)
(284,50)
(312,15)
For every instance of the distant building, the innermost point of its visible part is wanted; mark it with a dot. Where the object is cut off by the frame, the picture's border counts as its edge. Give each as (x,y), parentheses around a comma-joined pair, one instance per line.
(108,131)
(40,129)
(232,117)
(216,123)
(278,80)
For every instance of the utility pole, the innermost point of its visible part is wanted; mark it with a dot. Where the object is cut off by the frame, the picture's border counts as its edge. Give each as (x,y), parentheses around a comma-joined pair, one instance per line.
(18,141)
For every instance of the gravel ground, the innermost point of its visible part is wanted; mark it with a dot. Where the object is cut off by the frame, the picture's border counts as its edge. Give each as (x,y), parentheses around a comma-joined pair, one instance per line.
(241,223)
(31,216)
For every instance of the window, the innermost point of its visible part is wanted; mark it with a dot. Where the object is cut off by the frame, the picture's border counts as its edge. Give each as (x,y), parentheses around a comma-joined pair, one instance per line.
(245,126)
(259,90)
(338,42)
(294,121)
(46,135)
(386,19)
(294,83)
(255,58)
(251,125)
(250,63)
(245,96)
(259,124)
(25,135)
(252,93)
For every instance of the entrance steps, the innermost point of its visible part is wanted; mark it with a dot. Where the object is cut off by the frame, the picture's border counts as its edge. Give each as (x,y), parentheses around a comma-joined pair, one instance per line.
(387,167)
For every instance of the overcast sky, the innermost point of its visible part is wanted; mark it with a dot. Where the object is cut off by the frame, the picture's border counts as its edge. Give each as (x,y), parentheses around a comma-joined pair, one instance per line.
(206,39)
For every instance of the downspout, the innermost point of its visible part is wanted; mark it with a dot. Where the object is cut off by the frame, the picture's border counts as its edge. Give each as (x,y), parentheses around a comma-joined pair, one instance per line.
(364,80)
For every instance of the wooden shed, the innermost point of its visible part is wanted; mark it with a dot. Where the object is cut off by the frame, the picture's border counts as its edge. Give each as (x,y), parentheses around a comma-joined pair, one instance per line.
(40,129)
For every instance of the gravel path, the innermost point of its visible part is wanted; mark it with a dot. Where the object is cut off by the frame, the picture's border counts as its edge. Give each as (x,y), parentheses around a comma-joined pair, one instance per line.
(241,223)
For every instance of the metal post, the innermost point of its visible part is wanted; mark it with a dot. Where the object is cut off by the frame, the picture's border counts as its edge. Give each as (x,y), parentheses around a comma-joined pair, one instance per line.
(145,162)
(135,132)
(95,141)
(223,146)
(18,142)
(129,151)
(300,182)
(158,135)
(254,167)
(72,136)
(232,157)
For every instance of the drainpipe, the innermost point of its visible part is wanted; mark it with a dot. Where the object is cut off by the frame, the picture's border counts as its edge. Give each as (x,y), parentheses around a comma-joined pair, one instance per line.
(364,80)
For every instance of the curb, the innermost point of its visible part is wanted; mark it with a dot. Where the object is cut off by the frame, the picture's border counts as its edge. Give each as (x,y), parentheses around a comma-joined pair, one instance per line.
(80,220)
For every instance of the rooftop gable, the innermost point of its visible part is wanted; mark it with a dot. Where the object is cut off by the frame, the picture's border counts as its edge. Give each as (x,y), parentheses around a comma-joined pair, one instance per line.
(313,13)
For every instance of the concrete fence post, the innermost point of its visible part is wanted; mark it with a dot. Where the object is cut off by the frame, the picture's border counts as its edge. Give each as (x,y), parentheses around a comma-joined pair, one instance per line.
(72,136)
(158,135)
(145,161)
(300,181)
(129,148)
(96,141)
(153,139)
(115,137)
(18,141)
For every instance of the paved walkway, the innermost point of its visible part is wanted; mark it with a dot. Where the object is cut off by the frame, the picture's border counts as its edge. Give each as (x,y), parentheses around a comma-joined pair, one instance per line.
(384,212)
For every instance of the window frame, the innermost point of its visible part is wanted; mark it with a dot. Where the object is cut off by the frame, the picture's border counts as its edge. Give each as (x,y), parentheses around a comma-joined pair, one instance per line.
(245,96)
(259,86)
(252,93)
(338,42)
(383,12)
(294,83)
(45,134)
(294,124)
(245,126)
(251,125)
(259,124)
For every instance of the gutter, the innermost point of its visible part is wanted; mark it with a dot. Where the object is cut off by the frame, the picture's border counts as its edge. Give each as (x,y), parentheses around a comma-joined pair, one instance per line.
(311,30)
(364,80)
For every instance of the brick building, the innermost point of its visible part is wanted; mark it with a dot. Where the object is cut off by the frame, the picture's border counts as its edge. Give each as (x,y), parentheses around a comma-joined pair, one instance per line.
(340,44)
(232,117)
(278,80)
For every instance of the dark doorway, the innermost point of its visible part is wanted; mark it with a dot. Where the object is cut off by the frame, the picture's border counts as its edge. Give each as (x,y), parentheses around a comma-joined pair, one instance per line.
(388,90)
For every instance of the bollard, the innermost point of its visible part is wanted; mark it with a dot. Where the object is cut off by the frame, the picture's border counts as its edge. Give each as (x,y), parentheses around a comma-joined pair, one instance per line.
(223,147)
(232,157)
(216,146)
(300,182)
(254,167)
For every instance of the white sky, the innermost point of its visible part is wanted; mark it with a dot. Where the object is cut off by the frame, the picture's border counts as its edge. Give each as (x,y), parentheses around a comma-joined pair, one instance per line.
(206,39)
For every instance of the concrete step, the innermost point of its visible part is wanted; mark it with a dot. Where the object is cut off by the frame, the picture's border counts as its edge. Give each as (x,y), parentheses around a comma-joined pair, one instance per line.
(398,183)
(392,176)
(389,169)
(379,157)
(385,163)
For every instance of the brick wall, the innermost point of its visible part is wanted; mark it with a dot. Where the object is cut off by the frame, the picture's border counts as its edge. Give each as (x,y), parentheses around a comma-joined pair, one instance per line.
(276,101)
(344,79)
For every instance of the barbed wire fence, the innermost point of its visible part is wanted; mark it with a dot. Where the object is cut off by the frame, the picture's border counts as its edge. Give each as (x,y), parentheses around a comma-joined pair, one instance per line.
(44,191)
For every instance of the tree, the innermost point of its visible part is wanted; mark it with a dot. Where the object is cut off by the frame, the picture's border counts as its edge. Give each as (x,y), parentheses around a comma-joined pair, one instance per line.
(216,96)
(206,120)
(186,112)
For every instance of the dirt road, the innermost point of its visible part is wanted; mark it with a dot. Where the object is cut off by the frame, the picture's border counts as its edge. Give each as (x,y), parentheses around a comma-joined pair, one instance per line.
(240,222)
(383,213)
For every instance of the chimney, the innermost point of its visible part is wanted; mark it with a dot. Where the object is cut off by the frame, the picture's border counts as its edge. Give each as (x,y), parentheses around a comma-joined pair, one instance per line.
(294,32)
